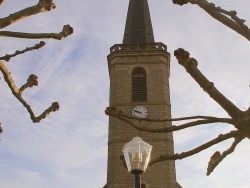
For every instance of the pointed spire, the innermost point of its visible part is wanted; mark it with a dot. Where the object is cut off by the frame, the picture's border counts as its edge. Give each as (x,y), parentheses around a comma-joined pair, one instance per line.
(138,29)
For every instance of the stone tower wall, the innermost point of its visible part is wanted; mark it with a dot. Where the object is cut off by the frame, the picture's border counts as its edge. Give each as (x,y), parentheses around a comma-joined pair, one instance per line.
(155,60)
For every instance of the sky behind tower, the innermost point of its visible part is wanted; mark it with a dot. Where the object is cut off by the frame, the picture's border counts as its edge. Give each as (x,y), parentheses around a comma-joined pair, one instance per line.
(69,148)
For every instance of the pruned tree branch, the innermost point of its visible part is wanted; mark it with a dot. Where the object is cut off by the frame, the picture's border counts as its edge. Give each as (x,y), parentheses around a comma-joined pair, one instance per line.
(54,107)
(7,57)
(220,138)
(115,112)
(32,80)
(216,158)
(225,120)
(228,18)
(1,1)
(241,119)
(197,120)
(42,6)
(190,64)
(66,31)
(1,128)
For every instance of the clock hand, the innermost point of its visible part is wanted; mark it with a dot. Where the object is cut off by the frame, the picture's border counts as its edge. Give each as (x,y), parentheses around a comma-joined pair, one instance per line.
(137,111)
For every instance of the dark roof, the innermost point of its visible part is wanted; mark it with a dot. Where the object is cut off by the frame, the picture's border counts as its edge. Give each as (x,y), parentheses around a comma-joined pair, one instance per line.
(138,29)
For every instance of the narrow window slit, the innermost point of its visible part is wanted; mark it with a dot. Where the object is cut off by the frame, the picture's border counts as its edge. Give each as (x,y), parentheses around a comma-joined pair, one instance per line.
(139,85)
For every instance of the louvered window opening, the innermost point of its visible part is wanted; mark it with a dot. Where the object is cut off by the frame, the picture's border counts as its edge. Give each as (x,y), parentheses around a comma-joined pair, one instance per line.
(139,85)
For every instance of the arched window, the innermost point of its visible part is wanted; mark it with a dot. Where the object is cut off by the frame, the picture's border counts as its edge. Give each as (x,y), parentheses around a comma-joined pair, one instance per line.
(139,85)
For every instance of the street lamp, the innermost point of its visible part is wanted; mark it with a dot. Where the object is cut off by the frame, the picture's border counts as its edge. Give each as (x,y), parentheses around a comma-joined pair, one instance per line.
(137,155)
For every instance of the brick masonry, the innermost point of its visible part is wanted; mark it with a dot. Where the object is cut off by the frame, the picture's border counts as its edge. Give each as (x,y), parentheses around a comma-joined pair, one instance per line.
(156,61)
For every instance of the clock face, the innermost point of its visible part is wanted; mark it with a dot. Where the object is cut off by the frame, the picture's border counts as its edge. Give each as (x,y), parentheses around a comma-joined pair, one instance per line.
(140,112)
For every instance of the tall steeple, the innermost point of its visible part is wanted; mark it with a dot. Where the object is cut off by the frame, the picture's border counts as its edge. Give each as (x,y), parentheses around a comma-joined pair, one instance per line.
(139,72)
(138,29)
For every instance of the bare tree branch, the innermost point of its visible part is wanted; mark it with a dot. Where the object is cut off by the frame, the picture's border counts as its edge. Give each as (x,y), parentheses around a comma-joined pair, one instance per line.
(1,1)
(225,120)
(31,81)
(113,111)
(66,31)
(1,128)
(17,93)
(198,149)
(216,158)
(190,64)
(228,18)
(42,6)
(7,57)
(214,161)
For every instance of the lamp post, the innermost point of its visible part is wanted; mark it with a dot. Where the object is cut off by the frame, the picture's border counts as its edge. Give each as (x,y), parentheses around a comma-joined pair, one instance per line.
(137,155)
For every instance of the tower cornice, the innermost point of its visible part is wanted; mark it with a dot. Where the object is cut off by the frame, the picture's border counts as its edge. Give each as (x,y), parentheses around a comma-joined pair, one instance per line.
(138,50)
(141,47)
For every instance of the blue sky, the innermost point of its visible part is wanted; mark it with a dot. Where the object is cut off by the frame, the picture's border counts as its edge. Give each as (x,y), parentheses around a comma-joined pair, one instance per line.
(69,148)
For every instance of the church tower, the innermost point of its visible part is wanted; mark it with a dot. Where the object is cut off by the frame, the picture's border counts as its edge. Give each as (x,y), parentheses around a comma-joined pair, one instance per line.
(139,85)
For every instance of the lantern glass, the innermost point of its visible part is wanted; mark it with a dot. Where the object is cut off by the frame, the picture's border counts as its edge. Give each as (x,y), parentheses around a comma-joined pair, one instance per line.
(137,154)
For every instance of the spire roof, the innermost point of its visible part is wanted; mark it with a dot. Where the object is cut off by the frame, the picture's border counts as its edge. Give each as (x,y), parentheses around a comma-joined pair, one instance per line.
(138,29)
